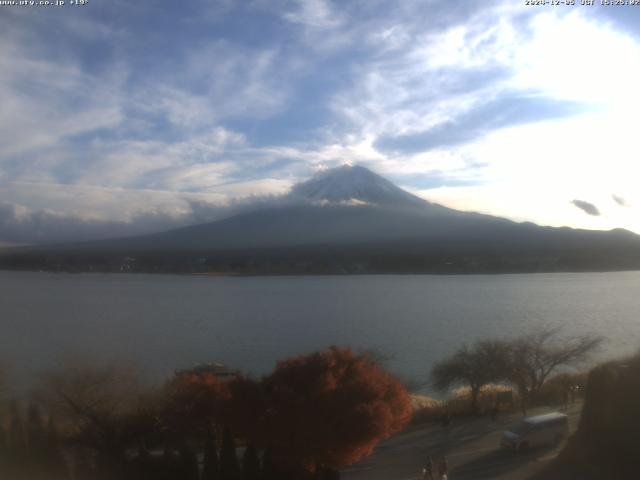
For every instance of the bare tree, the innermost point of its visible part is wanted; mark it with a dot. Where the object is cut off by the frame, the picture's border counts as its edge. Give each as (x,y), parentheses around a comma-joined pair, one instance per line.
(102,408)
(474,366)
(533,357)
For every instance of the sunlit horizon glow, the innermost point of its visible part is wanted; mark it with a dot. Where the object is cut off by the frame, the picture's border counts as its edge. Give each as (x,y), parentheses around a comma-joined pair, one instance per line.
(131,125)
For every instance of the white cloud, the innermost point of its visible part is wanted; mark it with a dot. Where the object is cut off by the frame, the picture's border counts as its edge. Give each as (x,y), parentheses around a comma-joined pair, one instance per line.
(79,213)
(560,56)
(44,102)
(161,164)
(582,60)
(313,13)
(168,141)
(422,79)
(534,171)
(216,81)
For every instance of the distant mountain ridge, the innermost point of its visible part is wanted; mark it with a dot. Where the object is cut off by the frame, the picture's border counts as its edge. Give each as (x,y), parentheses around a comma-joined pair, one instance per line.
(348,219)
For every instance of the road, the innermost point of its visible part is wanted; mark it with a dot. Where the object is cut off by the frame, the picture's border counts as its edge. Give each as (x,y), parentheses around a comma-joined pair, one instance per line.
(471,448)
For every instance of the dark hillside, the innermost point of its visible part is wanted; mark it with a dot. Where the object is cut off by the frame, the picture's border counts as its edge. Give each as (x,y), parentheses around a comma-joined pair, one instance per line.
(607,444)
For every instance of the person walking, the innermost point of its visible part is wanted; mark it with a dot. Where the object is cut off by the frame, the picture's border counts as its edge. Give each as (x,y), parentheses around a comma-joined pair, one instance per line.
(494,411)
(444,468)
(446,417)
(565,399)
(427,470)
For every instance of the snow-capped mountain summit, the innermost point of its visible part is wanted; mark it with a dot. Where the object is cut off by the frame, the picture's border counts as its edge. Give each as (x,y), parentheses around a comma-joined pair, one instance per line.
(354,184)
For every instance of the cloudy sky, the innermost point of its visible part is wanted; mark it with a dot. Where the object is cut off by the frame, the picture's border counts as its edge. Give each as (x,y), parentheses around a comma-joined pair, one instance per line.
(120,117)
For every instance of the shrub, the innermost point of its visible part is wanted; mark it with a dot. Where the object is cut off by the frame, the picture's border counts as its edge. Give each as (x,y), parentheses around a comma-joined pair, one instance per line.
(610,416)
(330,409)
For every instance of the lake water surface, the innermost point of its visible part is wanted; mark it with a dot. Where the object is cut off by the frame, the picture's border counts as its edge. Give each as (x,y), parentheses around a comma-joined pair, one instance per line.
(165,322)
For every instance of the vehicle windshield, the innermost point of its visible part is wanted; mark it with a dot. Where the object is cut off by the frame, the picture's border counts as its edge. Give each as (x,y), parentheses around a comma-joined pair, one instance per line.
(520,428)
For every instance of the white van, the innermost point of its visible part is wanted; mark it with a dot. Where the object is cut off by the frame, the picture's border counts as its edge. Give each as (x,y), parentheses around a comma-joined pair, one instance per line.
(548,429)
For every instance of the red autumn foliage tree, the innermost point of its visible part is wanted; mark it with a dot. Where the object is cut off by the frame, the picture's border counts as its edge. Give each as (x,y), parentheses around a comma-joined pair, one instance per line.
(324,410)
(245,412)
(195,401)
(330,409)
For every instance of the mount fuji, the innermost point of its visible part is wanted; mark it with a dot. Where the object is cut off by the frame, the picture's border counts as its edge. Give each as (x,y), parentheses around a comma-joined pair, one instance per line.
(354,184)
(348,219)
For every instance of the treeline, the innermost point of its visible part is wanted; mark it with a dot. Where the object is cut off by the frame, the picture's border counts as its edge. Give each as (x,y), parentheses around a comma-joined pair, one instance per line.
(525,363)
(313,415)
(349,259)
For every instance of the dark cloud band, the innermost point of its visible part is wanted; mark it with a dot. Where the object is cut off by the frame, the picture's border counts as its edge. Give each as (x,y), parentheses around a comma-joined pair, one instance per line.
(586,207)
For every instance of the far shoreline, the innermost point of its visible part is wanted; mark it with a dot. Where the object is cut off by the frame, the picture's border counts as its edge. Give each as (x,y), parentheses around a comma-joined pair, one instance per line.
(231,274)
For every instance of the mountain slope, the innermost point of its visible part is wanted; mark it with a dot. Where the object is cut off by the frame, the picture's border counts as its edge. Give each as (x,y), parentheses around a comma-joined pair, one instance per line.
(337,225)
